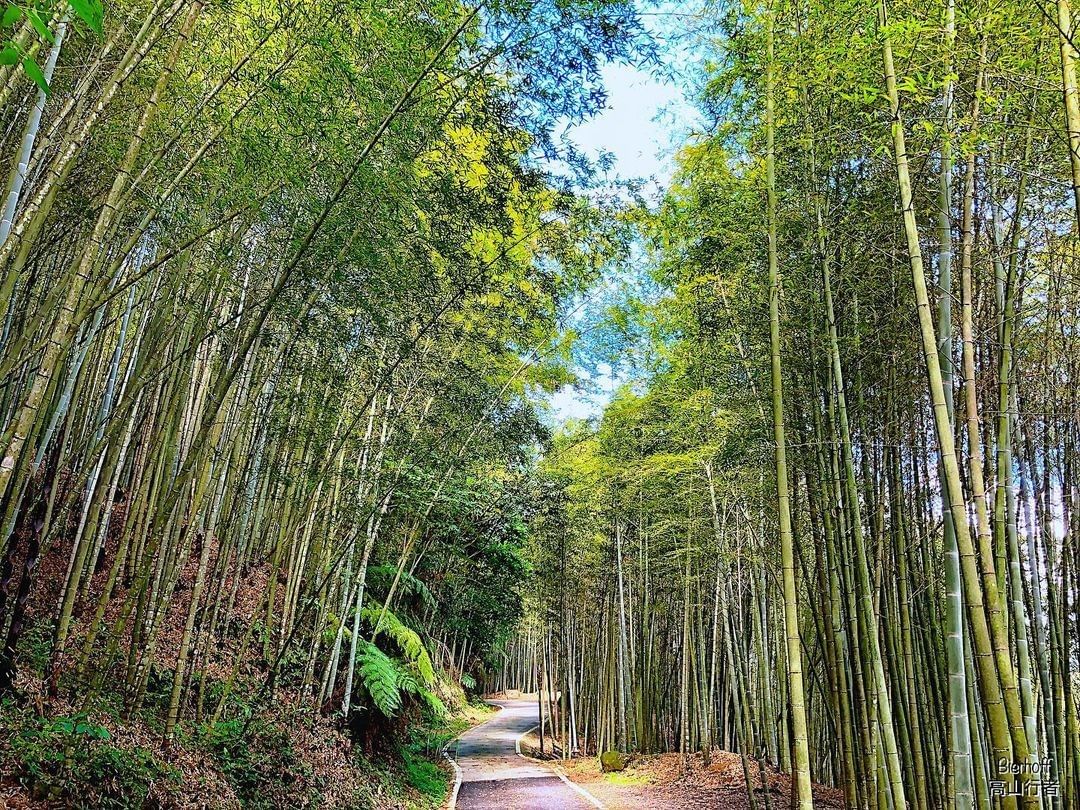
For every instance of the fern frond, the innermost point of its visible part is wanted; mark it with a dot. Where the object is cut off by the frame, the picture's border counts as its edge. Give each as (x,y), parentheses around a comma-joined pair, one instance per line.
(407,681)
(380,577)
(408,641)
(379,676)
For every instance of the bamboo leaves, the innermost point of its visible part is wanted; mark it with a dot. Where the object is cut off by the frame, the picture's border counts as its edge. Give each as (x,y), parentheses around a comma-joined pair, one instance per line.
(19,48)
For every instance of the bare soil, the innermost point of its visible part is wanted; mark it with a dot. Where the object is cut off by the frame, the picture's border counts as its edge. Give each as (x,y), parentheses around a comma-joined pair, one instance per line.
(665,782)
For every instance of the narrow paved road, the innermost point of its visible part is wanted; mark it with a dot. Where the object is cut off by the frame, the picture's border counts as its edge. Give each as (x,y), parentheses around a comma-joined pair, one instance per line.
(495,777)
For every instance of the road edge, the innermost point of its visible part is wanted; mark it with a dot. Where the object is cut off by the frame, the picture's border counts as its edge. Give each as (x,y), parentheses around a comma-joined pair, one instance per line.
(451,803)
(559,772)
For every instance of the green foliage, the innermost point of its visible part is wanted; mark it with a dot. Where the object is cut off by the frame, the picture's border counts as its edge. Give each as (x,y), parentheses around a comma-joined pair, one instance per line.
(408,683)
(407,640)
(426,777)
(478,560)
(16,49)
(379,578)
(72,761)
(379,676)
(39,25)
(90,12)
(35,646)
(258,759)
(388,680)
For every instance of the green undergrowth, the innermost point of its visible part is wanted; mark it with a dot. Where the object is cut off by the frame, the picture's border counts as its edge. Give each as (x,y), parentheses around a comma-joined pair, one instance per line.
(72,761)
(268,760)
(260,763)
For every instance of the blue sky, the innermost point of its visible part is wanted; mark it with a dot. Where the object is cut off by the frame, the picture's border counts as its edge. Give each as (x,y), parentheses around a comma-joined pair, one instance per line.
(646,118)
(637,126)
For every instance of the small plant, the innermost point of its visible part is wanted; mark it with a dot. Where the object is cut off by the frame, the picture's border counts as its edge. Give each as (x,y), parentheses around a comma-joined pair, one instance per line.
(71,761)
(259,761)
(35,647)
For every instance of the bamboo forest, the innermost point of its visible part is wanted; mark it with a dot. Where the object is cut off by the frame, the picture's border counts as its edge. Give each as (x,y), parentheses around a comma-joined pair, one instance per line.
(546,404)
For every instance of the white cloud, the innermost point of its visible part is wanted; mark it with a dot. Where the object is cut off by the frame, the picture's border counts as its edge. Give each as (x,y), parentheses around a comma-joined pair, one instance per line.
(587,400)
(635,126)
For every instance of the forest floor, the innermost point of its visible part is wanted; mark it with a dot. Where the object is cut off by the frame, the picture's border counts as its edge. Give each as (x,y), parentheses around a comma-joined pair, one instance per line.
(267,754)
(279,753)
(287,757)
(662,782)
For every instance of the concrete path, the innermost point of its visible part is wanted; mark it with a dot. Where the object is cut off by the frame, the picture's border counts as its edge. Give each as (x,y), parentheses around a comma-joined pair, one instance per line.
(492,775)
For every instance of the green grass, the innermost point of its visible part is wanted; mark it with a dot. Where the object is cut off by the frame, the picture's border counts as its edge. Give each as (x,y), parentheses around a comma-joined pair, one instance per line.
(426,777)
(626,779)
(421,757)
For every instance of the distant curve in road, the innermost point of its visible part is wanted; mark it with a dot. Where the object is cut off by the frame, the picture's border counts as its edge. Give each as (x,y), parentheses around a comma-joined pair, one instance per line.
(494,776)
